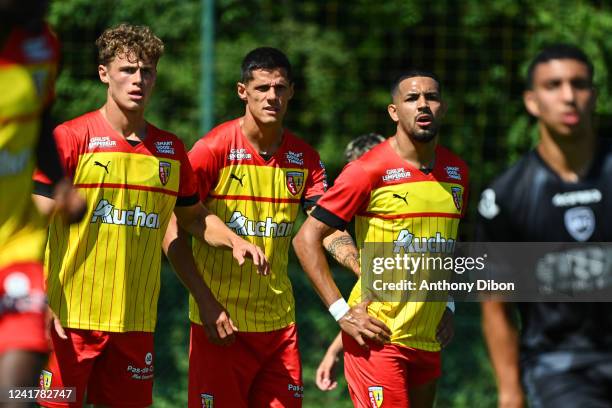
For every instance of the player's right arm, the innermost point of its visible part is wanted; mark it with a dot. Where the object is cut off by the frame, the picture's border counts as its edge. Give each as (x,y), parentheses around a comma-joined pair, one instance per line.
(308,245)
(217,323)
(334,210)
(340,245)
(502,338)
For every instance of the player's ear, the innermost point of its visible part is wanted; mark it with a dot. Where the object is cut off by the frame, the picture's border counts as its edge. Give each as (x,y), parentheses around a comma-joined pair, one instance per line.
(103,73)
(392,109)
(530,103)
(241,90)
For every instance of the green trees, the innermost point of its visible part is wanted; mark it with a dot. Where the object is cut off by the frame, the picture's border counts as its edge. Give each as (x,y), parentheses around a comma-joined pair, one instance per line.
(345,55)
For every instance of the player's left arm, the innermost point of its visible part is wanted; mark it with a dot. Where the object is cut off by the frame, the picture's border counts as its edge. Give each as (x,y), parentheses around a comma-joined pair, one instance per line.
(203,225)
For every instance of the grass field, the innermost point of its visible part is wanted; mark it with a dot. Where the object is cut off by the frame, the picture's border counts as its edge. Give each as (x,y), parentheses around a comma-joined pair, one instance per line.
(467,380)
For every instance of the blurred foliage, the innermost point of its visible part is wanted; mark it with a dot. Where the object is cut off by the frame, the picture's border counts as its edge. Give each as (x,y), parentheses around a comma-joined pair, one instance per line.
(345,56)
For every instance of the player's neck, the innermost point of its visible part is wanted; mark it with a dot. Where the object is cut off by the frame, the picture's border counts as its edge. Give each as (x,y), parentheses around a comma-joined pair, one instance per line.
(264,138)
(129,124)
(570,157)
(419,155)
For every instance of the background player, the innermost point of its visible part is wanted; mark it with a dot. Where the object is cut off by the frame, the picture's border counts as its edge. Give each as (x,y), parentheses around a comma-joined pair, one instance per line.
(104,273)
(391,352)
(559,192)
(27,77)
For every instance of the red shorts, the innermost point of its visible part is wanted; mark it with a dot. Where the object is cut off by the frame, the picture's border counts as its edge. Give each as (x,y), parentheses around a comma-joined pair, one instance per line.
(22,308)
(386,372)
(116,369)
(257,370)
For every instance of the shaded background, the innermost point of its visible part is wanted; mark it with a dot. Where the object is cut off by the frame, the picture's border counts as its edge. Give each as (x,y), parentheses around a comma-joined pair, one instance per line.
(345,55)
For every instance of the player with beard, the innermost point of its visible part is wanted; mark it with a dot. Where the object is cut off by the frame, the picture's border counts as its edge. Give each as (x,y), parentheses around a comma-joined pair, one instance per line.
(325,376)
(559,192)
(409,186)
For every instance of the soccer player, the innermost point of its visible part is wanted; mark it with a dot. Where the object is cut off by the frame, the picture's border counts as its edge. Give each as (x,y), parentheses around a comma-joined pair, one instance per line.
(29,54)
(104,273)
(405,186)
(559,192)
(325,376)
(254,174)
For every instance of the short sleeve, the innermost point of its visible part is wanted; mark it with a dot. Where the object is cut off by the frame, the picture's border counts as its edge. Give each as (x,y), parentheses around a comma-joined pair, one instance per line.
(349,195)
(205,167)
(316,184)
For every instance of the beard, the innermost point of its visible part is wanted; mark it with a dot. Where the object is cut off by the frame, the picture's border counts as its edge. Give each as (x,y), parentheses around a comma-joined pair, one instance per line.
(423,135)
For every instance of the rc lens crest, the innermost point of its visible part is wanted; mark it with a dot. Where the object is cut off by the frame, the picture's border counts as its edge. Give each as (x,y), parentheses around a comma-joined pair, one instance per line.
(45,379)
(208,400)
(295,182)
(457,193)
(164,172)
(376,396)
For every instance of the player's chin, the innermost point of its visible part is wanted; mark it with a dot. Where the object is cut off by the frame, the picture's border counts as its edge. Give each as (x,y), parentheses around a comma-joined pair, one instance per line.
(133,106)
(424,135)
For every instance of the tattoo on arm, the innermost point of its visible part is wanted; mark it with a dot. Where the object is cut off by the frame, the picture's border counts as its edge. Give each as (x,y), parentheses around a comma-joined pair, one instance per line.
(345,252)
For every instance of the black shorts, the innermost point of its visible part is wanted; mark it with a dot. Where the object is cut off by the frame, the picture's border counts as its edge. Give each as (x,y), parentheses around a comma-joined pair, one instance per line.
(569,379)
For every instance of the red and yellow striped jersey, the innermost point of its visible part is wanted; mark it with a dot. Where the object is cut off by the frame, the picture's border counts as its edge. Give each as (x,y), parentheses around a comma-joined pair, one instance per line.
(259,200)
(28,65)
(104,272)
(392,200)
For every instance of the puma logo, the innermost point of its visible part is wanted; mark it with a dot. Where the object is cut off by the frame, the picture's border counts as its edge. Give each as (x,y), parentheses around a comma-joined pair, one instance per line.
(235,177)
(403,198)
(97,163)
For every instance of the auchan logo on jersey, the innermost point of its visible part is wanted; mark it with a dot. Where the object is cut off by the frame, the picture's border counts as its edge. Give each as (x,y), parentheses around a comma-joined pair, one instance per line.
(268,228)
(106,213)
(410,243)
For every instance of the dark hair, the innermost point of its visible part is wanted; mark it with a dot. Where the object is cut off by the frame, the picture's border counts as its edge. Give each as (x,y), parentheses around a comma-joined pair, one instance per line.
(555,52)
(264,58)
(411,74)
(360,145)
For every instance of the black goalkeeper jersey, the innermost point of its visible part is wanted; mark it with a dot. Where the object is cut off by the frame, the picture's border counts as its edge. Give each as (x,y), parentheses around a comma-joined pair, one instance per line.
(530,203)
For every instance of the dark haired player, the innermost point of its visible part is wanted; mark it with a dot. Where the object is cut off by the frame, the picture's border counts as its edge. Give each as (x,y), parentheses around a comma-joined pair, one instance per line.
(390,348)
(559,192)
(325,375)
(255,175)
